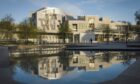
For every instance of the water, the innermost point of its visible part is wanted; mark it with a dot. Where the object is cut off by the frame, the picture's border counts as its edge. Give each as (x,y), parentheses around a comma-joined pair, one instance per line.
(69,67)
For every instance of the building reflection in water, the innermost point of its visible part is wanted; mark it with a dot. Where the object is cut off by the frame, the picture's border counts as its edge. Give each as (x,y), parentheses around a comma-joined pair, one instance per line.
(50,67)
(56,66)
(83,60)
(93,61)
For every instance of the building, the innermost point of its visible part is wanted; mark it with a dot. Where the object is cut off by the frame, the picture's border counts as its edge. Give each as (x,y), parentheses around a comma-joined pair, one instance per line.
(84,29)
(82,33)
(48,20)
(87,29)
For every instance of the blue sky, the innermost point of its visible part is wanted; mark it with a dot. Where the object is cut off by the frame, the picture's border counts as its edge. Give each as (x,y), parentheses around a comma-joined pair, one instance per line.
(117,10)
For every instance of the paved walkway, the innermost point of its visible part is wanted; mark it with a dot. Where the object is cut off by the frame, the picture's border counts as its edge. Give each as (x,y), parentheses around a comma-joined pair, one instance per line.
(129,76)
(102,46)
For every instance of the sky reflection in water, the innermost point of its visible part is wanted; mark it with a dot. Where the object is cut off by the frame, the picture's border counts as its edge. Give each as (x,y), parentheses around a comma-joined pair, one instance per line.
(70,67)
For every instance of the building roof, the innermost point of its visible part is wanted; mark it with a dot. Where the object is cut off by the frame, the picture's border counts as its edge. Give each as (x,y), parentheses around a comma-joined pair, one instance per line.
(51,10)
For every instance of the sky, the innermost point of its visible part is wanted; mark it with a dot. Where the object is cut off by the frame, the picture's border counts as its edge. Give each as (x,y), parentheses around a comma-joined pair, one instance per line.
(117,10)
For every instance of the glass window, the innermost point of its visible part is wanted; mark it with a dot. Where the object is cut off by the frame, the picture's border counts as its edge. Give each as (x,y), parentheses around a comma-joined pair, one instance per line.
(101,19)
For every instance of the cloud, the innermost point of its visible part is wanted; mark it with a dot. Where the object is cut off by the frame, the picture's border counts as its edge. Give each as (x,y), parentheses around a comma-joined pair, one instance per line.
(66,5)
(71,9)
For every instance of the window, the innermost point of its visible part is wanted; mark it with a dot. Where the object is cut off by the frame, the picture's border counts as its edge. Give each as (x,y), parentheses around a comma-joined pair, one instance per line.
(54,16)
(75,27)
(77,52)
(75,59)
(58,26)
(76,38)
(91,25)
(101,19)
(92,20)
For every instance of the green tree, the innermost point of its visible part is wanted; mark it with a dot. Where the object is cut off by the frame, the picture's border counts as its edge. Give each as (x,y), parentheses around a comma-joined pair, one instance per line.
(28,64)
(137,27)
(137,17)
(7,27)
(27,30)
(136,30)
(127,32)
(106,31)
(64,31)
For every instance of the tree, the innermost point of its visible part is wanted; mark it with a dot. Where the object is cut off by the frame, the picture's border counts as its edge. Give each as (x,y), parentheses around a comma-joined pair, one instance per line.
(106,31)
(7,26)
(27,30)
(28,64)
(127,32)
(64,31)
(136,31)
(137,17)
(137,27)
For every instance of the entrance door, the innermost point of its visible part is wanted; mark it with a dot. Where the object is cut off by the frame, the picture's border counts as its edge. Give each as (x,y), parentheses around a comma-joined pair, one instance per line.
(76,38)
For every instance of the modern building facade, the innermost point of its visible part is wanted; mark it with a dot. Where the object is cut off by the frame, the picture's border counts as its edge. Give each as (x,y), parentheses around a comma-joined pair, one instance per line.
(48,20)
(85,29)
(91,28)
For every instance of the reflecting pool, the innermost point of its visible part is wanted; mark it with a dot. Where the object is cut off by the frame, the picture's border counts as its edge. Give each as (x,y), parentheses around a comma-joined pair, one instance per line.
(69,67)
